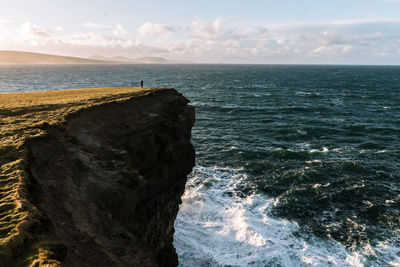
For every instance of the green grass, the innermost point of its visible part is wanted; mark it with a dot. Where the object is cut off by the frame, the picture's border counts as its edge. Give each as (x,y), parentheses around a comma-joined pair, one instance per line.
(22,117)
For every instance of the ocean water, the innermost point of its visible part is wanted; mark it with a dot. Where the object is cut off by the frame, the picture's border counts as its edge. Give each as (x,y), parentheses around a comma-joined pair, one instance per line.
(296,165)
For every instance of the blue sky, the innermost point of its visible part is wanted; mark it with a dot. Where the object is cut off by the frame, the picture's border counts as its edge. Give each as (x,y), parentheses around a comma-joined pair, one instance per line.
(235,31)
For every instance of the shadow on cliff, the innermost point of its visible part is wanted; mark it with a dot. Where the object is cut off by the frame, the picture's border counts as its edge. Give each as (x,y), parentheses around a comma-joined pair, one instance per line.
(109,181)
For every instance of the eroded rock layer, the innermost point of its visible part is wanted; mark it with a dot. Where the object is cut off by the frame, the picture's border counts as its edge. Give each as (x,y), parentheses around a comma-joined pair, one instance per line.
(109,180)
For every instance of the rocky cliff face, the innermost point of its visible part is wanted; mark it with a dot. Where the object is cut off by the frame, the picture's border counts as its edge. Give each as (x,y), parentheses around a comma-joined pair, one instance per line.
(109,181)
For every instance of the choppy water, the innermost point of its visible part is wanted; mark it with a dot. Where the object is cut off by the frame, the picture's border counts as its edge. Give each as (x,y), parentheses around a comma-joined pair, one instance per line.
(296,165)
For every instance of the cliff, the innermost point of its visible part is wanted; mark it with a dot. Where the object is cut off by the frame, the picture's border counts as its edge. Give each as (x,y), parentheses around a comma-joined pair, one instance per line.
(92,177)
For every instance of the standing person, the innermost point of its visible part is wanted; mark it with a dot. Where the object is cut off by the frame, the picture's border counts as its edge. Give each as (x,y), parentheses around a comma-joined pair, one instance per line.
(141,83)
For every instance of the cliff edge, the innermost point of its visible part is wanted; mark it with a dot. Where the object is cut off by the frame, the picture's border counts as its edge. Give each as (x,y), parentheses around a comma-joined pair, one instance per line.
(92,177)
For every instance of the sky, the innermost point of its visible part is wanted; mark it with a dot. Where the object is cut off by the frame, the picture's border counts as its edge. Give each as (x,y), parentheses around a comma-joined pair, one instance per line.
(208,31)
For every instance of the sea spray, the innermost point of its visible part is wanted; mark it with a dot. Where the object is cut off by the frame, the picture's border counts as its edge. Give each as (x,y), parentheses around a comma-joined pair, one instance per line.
(219,226)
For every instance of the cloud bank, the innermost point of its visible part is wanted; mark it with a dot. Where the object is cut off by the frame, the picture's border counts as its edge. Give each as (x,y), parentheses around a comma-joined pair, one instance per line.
(354,41)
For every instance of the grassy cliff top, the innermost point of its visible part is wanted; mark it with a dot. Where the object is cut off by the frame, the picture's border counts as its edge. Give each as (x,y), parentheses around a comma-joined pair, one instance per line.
(22,117)
(21,114)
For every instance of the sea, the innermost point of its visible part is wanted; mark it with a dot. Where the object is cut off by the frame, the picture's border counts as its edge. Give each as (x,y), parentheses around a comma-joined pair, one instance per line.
(296,165)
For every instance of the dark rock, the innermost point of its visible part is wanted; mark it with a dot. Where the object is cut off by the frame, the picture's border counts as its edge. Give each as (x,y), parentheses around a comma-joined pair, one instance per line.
(109,181)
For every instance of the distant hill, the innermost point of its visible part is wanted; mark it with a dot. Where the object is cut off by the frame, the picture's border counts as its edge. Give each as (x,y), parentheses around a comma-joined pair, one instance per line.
(111,59)
(16,57)
(151,60)
(141,60)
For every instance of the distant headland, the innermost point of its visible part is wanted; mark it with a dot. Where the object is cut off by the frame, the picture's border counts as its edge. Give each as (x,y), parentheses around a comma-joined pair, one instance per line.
(19,57)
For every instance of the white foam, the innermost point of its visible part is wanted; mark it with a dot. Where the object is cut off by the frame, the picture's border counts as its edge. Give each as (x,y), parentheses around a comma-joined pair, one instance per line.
(324,150)
(217,227)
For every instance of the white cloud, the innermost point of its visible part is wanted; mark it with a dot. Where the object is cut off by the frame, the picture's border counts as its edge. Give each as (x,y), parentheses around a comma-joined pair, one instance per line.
(333,49)
(221,30)
(4,22)
(213,31)
(355,22)
(215,41)
(337,40)
(31,37)
(231,47)
(119,30)
(192,49)
(263,32)
(96,25)
(151,29)
(29,30)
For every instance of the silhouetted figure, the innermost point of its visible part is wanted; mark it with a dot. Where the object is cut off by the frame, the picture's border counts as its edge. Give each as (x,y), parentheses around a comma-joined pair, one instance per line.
(141,83)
